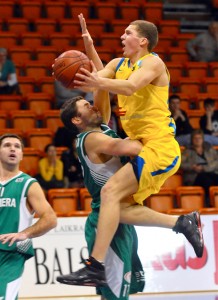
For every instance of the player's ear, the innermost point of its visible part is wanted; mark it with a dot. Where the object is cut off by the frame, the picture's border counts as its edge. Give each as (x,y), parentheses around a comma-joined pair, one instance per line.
(76,120)
(143,41)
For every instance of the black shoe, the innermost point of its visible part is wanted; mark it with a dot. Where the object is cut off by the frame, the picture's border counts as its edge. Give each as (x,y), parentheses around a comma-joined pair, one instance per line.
(190,226)
(87,276)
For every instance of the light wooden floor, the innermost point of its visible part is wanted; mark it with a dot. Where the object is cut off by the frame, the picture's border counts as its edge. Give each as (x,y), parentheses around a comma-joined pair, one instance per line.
(181,296)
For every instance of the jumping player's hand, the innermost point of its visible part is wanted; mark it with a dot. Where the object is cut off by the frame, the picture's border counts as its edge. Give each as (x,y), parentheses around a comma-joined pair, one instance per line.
(85,33)
(11,238)
(87,80)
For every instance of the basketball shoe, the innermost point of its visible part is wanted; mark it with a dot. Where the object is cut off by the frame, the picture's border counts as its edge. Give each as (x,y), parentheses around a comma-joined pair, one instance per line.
(93,274)
(190,226)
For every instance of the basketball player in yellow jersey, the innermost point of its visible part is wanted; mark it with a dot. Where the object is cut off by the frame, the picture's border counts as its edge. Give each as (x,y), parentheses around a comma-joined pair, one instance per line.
(145,116)
(141,82)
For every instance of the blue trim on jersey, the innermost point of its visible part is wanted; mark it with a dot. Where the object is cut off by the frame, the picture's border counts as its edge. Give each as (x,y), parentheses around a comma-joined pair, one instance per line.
(120,63)
(139,63)
(138,164)
(170,167)
(171,124)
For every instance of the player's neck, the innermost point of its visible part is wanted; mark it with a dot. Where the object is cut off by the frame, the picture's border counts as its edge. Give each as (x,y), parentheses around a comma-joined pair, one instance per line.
(98,128)
(7,173)
(134,58)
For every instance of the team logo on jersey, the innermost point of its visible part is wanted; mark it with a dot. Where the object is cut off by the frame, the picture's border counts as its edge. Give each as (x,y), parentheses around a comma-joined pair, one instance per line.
(19,179)
(127,276)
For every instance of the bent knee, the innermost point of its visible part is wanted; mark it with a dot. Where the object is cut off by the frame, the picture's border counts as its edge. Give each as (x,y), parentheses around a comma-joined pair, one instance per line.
(109,192)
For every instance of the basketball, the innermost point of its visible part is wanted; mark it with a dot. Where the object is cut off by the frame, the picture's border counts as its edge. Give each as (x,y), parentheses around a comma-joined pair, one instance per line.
(68,64)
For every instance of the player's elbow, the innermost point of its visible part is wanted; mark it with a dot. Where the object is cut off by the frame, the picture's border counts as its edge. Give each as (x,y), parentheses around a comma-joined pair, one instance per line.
(135,151)
(53,221)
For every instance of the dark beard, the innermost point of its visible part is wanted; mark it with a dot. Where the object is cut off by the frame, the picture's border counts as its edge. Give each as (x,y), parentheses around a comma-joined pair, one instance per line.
(98,121)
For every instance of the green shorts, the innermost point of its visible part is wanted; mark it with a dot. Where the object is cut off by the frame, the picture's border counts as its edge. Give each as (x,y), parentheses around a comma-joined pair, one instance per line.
(11,266)
(123,268)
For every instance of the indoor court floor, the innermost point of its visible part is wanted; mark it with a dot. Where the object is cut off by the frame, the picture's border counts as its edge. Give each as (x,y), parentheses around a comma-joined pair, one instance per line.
(180,296)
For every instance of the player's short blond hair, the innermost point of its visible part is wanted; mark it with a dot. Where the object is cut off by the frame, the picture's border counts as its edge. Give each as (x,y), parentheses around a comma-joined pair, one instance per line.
(148,30)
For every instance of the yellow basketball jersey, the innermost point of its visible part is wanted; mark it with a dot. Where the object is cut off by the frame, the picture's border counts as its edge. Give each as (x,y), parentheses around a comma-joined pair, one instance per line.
(145,114)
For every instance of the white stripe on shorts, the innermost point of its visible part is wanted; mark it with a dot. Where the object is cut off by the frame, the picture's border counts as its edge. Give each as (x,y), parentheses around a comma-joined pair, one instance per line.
(114,272)
(13,289)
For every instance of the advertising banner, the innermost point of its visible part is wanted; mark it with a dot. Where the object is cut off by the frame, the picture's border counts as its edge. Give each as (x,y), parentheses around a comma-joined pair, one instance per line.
(169,261)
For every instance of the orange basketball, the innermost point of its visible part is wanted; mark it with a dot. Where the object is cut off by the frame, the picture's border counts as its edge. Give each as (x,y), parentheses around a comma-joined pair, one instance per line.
(68,64)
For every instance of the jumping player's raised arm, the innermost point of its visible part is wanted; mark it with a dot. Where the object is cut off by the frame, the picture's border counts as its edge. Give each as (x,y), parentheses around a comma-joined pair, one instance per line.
(101,97)
(89,45)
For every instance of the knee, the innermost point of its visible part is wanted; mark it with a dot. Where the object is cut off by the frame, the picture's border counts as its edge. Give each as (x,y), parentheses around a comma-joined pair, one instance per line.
(108,192)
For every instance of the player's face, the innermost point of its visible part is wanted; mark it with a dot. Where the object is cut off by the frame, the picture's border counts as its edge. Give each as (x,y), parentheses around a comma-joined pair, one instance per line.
(131,41)
(11,151)
(89,114)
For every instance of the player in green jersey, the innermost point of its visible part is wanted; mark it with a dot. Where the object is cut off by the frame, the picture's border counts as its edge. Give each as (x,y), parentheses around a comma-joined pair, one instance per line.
(20,197)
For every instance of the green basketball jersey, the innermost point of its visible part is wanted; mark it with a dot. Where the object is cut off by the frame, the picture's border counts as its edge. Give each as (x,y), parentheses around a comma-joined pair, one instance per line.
(14,215)
(122,261)
(96,175)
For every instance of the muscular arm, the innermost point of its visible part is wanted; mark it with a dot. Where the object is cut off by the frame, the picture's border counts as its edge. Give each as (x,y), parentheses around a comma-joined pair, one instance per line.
(37,202)
(97,143)
(47,218)
(152,68)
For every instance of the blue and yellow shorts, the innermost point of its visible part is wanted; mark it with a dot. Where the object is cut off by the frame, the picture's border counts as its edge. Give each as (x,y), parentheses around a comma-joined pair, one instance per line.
(158,160)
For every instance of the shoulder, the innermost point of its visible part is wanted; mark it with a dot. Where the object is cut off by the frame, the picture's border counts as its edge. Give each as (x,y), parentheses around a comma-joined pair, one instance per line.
(153,62)
(114,63)
(96,140)
(152,59)
(95,135)
(26,179)
(23,176)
